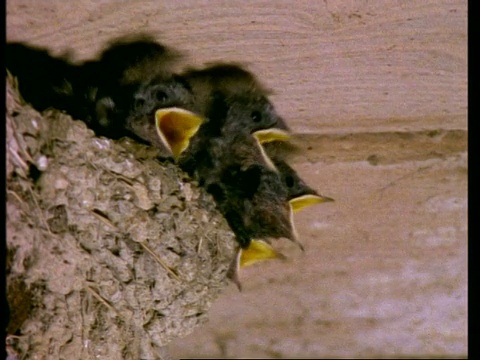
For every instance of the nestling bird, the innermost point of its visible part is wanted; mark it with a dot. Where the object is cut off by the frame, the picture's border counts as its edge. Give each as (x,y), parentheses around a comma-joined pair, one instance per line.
(300,195)
(139,90)
(250,195)
(223,88)
(227,158)
(156,112)
(132,77)
(116,94)
(254,203)
(232,101)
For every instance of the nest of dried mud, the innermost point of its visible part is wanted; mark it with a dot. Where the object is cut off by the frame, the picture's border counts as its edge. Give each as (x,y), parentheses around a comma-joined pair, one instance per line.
(111,254)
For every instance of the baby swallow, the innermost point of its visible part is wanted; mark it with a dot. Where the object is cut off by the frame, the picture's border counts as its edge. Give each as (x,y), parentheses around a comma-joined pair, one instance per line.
(141,97)
(248,191)
(160,114)
(228,112)
(113,93)
(300,195)
(253,200)
(150,102)
(132,75)
(261,212)
(232,100)
(225,160)
(155,113)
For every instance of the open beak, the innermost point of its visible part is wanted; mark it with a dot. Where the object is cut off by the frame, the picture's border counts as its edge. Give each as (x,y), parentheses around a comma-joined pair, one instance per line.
(269,135)
(304,201)
(175,127)
(299,203)
(258,250)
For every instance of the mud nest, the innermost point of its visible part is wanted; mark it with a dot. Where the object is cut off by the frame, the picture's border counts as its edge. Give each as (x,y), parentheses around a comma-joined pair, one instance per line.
(111,253)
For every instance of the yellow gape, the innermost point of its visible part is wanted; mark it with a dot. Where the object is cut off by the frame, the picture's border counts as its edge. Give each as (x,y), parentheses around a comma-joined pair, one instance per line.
(269,135)
(266,136)
(258,250)
(304,201)
(175,127)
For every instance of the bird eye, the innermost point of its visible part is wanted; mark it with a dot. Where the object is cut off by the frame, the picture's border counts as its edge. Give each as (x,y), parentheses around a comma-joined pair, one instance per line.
(289,181)
(161,96)
(256,116)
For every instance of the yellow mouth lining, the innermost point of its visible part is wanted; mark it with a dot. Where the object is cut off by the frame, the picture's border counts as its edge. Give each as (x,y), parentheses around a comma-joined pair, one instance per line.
(270,135)
(258,250)
(304,201)
(175,127)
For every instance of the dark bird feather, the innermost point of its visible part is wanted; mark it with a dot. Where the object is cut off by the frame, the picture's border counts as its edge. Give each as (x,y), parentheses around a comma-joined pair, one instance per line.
(228,87)
(248,192)
(44,80)
(232,102)
(100,91)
